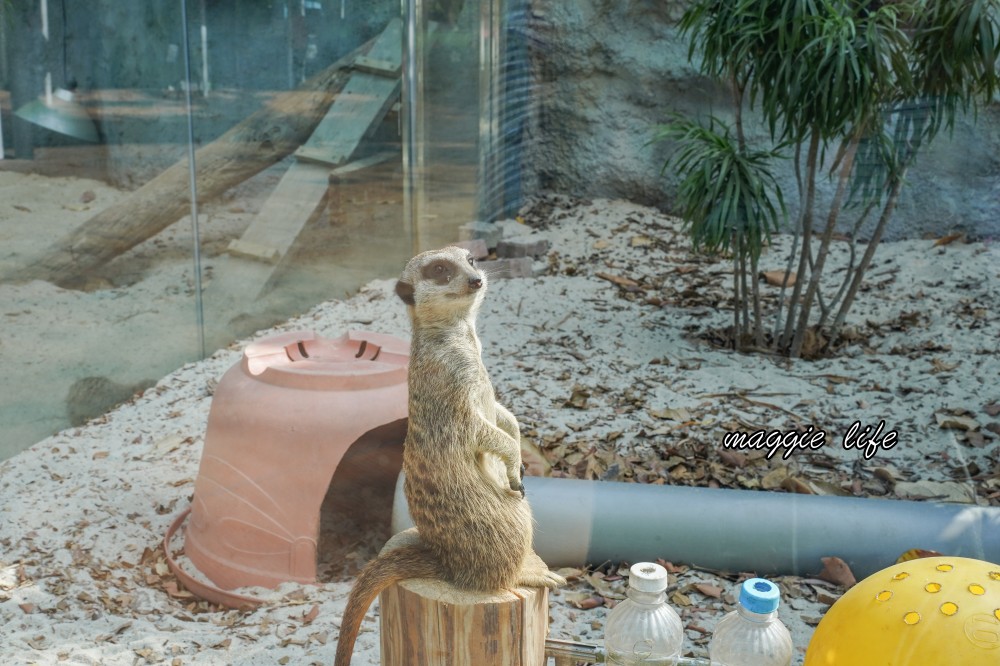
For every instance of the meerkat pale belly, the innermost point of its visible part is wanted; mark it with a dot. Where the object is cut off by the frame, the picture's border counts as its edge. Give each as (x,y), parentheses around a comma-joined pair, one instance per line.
(452,489)
(461,456)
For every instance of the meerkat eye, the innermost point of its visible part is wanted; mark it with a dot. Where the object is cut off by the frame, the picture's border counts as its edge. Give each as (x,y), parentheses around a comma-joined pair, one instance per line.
(472,261)
(439,269)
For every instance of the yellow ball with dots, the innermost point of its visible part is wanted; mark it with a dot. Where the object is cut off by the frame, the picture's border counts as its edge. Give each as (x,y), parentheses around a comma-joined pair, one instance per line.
(934,611)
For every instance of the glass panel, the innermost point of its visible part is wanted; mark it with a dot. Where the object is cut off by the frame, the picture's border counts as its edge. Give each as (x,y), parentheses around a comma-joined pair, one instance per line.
(451,54)
(178,174)
(509,96)
(297,168)
(300,197)
(98,290)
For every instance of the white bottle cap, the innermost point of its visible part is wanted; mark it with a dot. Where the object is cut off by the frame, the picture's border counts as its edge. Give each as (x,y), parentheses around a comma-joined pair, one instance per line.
(647,577)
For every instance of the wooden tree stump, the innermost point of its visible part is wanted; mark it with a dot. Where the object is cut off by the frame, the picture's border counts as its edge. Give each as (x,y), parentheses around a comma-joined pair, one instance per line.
(431,623)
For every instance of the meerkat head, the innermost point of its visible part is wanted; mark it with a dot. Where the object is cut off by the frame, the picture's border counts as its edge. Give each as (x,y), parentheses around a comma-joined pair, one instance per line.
(442,284)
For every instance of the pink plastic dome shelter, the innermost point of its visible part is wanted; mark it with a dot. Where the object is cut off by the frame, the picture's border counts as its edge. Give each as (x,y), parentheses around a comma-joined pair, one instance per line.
(281,422)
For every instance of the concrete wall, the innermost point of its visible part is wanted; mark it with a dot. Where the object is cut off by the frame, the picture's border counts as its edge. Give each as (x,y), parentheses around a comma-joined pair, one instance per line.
(607,71)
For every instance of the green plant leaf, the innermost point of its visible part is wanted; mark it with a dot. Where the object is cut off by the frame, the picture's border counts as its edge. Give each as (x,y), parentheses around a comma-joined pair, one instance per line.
(887,75)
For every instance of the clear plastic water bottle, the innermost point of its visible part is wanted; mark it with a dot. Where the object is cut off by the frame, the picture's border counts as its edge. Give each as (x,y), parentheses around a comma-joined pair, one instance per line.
(752,635)
(644,629)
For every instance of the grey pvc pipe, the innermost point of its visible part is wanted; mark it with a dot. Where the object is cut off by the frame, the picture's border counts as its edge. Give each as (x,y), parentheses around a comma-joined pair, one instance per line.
(579,522)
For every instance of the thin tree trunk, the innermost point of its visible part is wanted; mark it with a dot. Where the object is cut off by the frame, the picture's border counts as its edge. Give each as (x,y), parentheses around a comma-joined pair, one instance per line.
(744,300)
(736,291)
(796,237)
(824,311)
(800,275)
(739,263)
(738,267)
(866,258)
(849,271)
(758,324)
(824,247)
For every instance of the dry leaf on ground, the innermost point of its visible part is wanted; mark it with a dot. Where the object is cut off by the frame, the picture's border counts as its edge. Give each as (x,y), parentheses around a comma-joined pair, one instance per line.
(836,571)
(623,282)
(949,239)
(945,491)
(955,422)
(779,278)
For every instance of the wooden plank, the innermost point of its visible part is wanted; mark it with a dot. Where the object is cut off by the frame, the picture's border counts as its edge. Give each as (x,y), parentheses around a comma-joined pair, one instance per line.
(302,192)
(359,108)
(298,198)
(358,165)
(378,67)
(347,174)
(361,105)
(248,250)
(240,278)
(293,202)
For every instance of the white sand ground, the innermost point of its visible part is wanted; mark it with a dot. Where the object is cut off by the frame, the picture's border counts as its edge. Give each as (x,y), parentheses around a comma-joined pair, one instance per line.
(84,510)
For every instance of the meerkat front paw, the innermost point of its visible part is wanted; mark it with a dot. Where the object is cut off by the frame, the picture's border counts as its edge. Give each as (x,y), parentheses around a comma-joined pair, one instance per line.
(516,489)
(546,578)
(553,580)
(535,573)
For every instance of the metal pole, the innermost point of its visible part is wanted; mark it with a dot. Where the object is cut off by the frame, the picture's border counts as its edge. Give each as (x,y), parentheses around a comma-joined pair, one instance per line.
(195,231)
(205,84)
(412,113)
(490,100)
(570,653)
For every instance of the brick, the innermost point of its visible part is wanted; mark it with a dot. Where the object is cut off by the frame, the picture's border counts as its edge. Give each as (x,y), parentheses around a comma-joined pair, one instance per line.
(522,247)
(477,247)
(487,231)
(519,267)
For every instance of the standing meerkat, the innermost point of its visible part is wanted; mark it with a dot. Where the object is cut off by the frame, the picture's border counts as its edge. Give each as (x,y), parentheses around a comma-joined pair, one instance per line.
(462,455)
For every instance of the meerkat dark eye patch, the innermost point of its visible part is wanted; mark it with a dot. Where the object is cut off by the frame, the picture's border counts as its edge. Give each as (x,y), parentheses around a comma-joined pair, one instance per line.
(440,272)
(405,292)
(472,261)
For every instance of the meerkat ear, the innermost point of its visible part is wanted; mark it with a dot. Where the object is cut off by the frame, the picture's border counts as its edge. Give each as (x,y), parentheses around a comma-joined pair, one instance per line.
(405,292)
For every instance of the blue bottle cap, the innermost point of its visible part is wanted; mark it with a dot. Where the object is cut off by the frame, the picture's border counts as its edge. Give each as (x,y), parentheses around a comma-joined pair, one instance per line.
(758,595)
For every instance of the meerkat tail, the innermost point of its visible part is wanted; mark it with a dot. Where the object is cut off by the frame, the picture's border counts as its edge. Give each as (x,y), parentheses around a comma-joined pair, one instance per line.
(411,561)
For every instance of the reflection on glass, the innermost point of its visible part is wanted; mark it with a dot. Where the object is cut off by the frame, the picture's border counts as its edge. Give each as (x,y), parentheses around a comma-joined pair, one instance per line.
(293,110)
